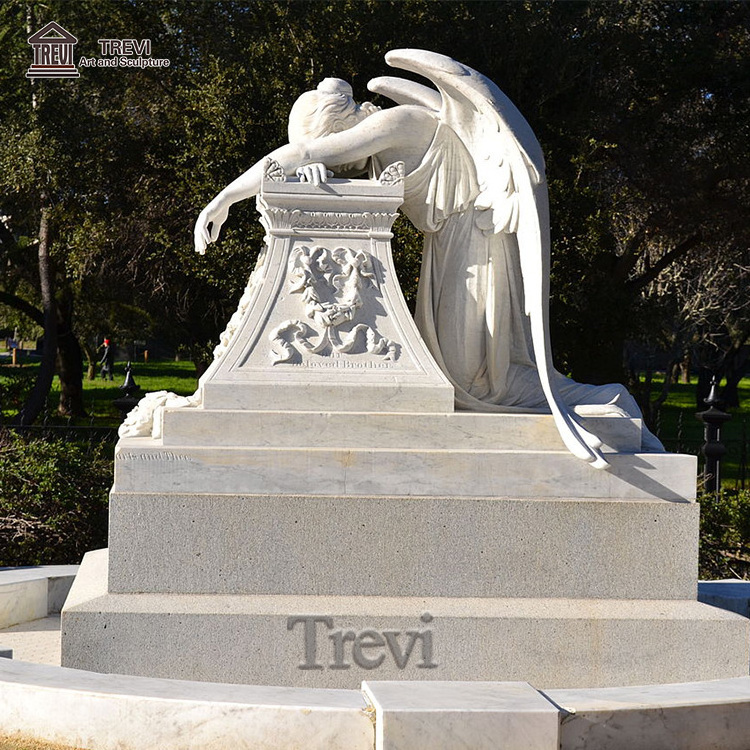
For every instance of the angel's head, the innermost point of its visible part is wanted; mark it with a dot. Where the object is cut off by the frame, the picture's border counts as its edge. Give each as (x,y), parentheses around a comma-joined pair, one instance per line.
(330,108)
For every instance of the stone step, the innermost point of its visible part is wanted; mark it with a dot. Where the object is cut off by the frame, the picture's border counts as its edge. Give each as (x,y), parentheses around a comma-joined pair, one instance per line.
(391,546)
(145,465)
(460,430)
(401,392)
(339,641)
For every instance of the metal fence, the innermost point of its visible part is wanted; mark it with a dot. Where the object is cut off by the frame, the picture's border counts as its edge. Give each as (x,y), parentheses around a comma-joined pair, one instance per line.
(677,440)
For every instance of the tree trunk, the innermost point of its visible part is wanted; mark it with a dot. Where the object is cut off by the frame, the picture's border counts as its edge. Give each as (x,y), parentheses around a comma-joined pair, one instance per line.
(69,361)
(685,369)
(670,377)
(735,367)
(91,363)
(38,396)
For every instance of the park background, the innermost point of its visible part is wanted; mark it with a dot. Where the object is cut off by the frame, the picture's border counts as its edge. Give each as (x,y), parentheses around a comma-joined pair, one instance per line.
(643,113)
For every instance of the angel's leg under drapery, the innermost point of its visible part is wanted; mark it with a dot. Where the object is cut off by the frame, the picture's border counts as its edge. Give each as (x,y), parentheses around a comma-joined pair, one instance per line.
(470,312)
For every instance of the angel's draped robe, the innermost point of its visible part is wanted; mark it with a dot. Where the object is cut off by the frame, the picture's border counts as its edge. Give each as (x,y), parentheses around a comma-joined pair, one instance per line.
(470,303)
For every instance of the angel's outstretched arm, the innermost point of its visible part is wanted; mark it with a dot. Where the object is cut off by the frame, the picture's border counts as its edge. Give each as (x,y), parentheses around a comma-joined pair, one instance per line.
(213,216)
(380,131)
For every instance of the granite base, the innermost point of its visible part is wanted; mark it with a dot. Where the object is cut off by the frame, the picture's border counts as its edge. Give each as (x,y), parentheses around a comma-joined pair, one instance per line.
(338,641)
(193,543)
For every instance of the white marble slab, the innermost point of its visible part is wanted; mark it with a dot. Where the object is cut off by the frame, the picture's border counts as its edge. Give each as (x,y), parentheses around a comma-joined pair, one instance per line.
(458,715)
(35,572)
(464,430)
(144,465)
(30,593)
(37,641)
(22,601)
(113,712)
(712,715)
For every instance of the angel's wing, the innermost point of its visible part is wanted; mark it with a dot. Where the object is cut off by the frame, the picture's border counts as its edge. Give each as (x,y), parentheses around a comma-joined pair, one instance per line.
(511,175)
(402,91)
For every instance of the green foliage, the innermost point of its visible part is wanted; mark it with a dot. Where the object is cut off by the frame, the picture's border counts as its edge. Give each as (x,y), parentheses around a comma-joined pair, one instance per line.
(725,535)
(53,500)
(98,394)
(642,162)
(15,385)
(641,109)
(407,257)
(13,321)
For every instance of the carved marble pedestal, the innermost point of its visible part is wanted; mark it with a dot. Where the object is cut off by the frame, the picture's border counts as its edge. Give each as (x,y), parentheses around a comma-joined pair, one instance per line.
(325,517)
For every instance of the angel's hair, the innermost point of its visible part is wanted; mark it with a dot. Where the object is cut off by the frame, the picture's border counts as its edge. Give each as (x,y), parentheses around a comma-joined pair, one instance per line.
(329,109)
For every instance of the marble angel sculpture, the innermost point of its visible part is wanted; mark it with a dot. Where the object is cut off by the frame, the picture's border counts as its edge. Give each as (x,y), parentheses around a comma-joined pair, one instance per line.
(475,186)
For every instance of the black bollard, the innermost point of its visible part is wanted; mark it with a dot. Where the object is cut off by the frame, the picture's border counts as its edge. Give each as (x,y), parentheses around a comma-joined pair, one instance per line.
(713,449)
(131,393)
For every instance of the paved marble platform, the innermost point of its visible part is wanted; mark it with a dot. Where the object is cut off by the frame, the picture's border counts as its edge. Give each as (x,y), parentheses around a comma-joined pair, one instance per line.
(116,712)
(37,641)
(30,602)
(30,593)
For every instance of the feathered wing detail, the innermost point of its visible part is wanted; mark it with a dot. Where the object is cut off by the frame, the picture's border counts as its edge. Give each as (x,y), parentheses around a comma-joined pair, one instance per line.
(513,198)
(402,91)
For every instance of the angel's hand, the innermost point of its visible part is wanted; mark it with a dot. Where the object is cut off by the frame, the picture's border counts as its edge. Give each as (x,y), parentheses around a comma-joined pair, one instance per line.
(314,173)
(209,224)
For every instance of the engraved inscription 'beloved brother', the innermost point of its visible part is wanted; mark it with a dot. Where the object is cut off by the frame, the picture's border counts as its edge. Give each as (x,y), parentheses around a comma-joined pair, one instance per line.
(369,648)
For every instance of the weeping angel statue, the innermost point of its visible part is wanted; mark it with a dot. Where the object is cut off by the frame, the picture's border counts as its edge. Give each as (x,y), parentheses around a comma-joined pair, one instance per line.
(475,186)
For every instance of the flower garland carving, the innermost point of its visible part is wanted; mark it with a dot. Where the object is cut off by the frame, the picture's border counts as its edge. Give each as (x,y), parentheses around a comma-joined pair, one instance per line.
(333,285)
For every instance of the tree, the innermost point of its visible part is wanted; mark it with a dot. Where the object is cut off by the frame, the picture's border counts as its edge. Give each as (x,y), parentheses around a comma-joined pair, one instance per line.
(639,108)
(706,319)
(656,178)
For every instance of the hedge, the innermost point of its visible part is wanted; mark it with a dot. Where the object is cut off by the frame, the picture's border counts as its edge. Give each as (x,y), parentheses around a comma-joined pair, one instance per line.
(53,499)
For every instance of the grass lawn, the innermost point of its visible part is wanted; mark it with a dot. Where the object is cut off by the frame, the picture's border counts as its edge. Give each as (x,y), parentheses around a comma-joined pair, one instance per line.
(178,377)
(680,431)
(675,424)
